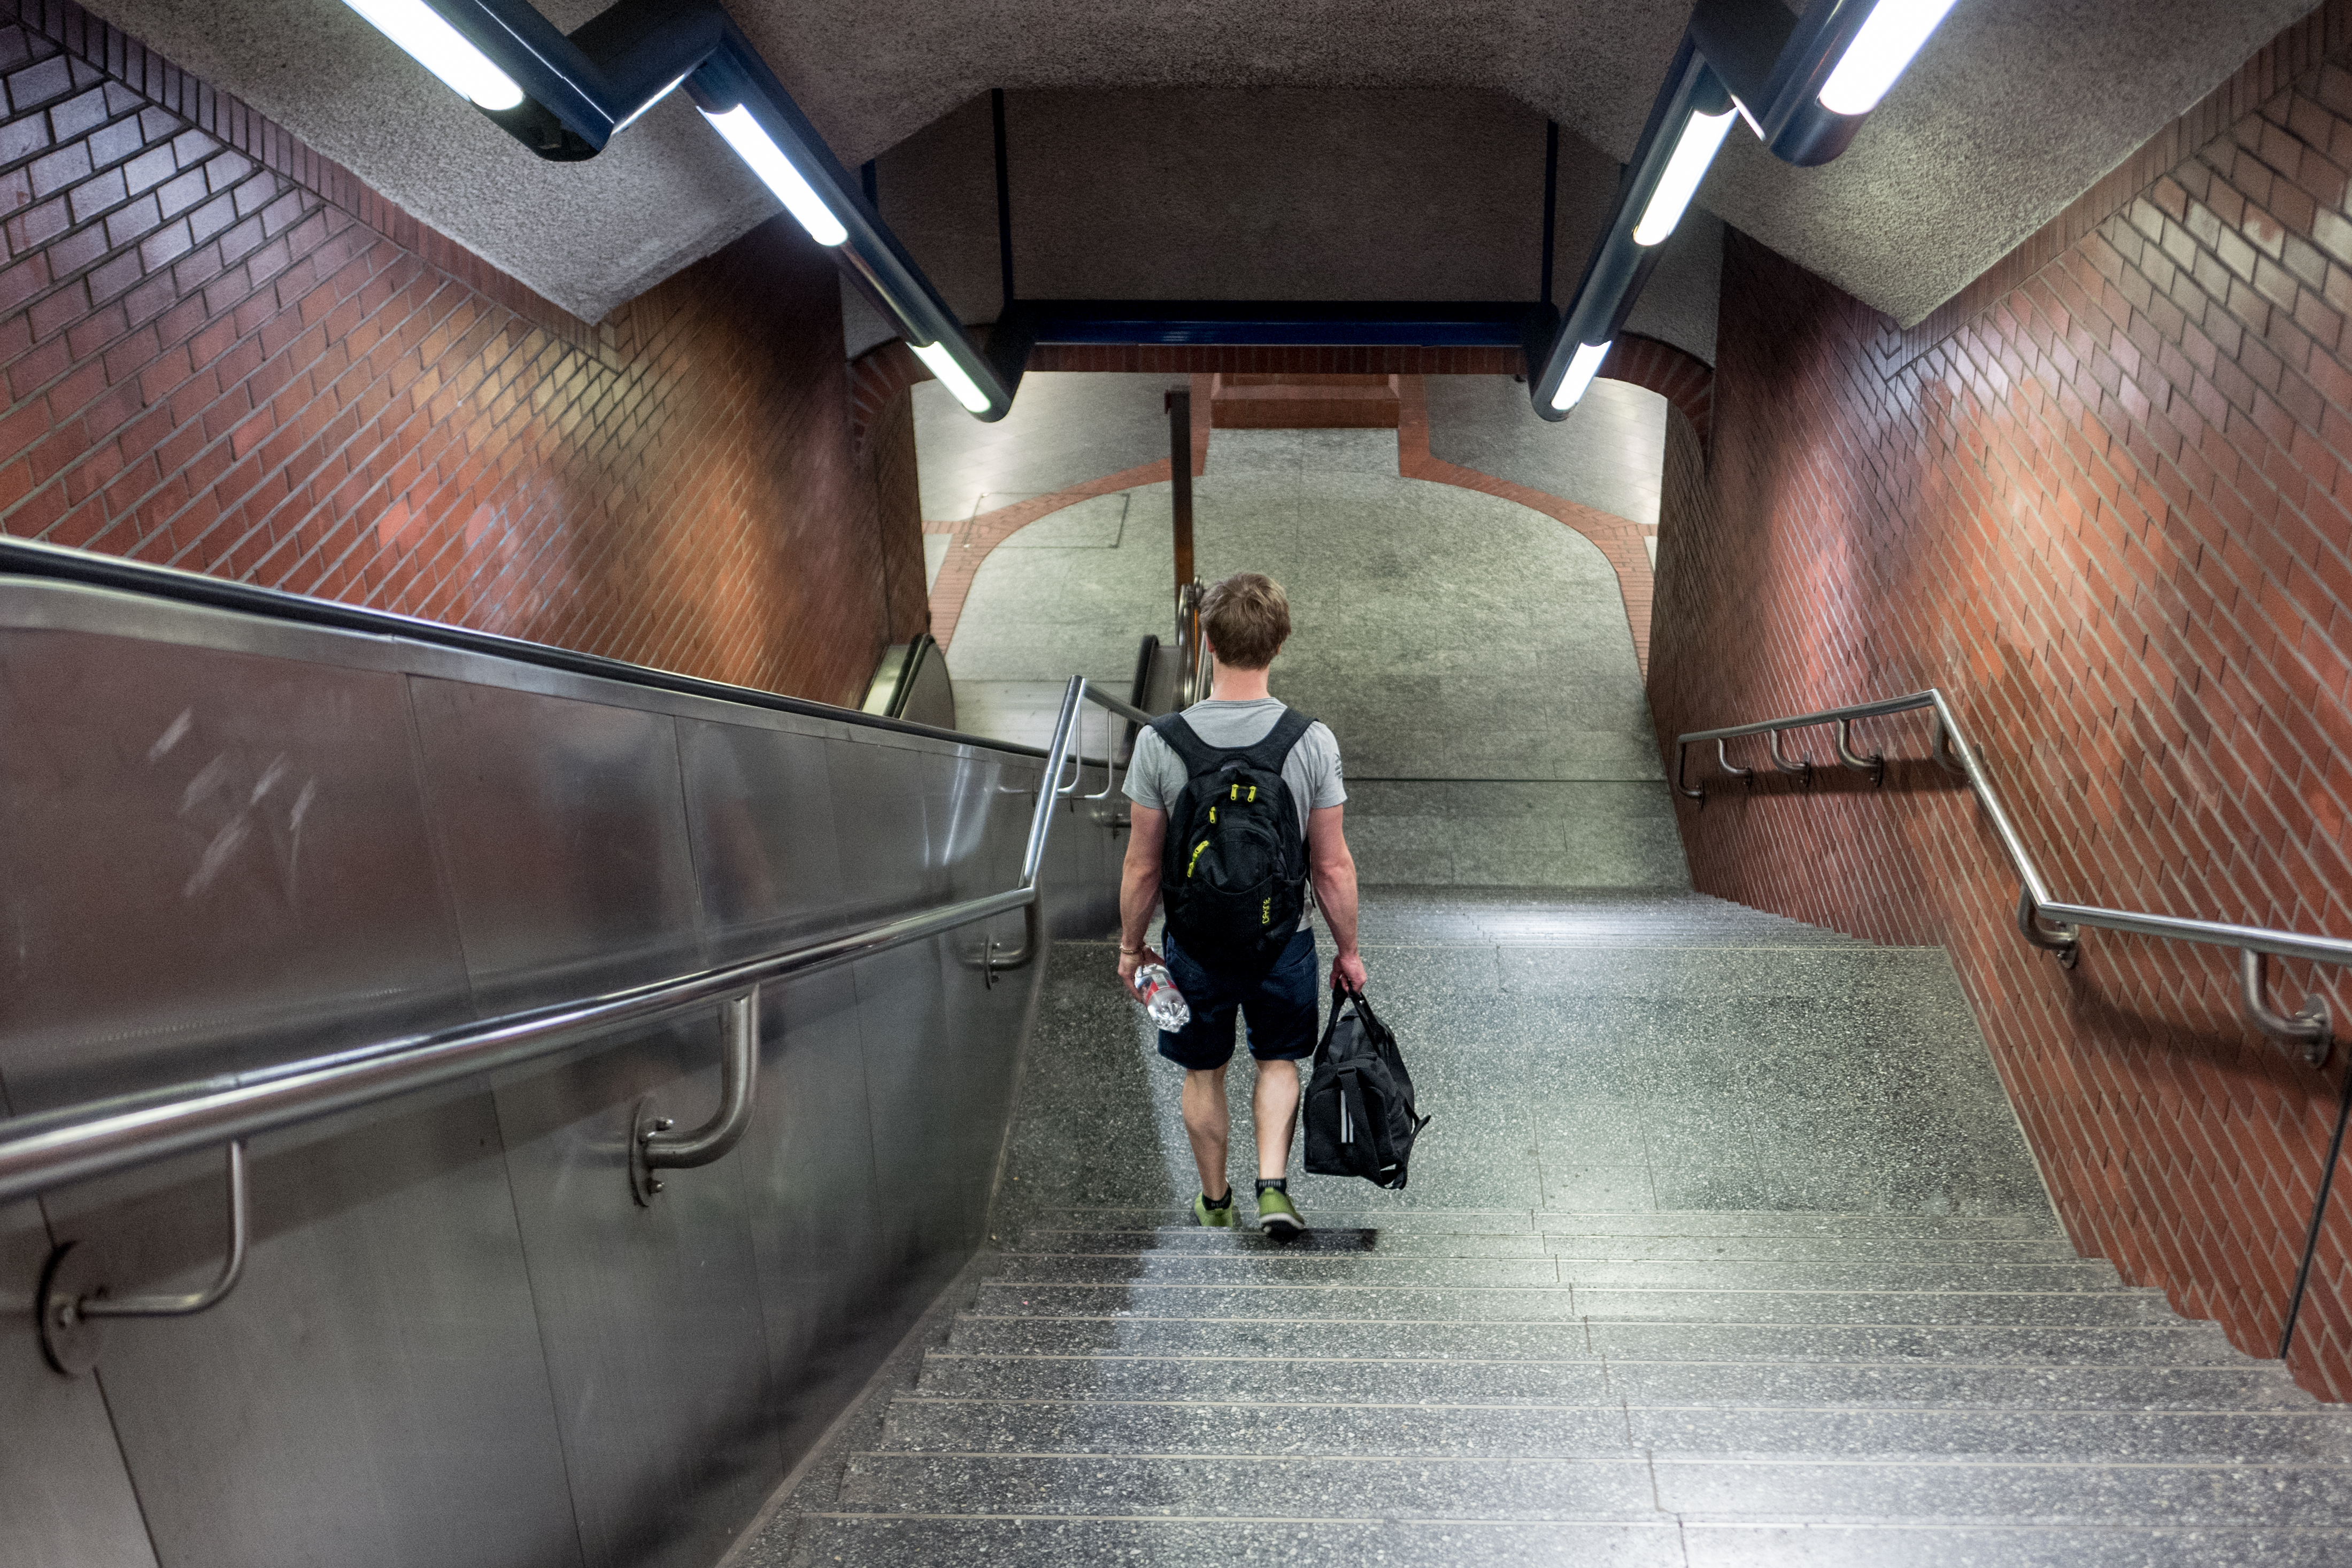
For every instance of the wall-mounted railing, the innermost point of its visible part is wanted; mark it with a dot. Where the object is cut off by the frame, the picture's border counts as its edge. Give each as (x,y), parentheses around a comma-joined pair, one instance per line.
(2049,923)
(2052,924)
(57,1148)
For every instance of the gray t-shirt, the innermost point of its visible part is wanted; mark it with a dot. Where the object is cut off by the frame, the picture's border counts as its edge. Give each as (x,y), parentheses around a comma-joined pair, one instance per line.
(1155,775)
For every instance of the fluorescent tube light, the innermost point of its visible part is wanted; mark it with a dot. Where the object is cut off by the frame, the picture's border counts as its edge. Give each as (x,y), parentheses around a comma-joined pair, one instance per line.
(1880,51)
(1702,135)
(649,104)
(756,148)
(952,376)
(440,49)
(1581,371)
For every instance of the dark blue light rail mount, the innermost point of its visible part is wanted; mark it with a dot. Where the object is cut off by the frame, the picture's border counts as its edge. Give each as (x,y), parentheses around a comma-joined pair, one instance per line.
(1802,84)
(564,96)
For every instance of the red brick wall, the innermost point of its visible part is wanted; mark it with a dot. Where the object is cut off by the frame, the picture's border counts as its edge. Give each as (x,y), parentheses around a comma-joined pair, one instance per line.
(223,353)
(2105,508)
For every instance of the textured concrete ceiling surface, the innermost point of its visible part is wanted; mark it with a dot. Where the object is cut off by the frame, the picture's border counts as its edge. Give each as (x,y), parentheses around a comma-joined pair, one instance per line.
(2015,108)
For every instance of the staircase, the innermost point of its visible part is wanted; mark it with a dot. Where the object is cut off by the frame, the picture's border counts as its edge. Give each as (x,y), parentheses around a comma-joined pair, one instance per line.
(1724,1249)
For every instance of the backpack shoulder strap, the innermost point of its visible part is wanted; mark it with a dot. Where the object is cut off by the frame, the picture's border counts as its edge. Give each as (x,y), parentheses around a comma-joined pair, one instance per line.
(1197,755)
(1269,753)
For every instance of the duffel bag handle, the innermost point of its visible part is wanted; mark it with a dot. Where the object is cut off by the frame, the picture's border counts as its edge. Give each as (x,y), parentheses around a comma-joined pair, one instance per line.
(1363,1009)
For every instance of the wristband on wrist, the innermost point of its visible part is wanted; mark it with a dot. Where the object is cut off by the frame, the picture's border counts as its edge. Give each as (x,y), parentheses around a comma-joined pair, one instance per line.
(1131,952)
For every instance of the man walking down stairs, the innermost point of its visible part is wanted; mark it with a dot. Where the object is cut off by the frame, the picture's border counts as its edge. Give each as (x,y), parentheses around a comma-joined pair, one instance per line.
(1724,1248)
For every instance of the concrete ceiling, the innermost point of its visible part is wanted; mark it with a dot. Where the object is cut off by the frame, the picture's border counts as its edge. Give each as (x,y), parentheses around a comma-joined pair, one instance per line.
(2015,108)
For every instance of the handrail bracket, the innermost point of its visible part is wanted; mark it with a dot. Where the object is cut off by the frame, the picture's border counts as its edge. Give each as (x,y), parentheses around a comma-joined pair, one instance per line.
(1875,764)
(2308,1026)
(1682,769)
(73,1296)
(2066,941)
(654,1147)
(1802,767)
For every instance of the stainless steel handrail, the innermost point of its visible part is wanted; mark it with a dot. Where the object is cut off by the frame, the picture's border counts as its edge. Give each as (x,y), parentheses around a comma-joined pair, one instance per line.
(60,1148)
(2049,923)
(1192,648)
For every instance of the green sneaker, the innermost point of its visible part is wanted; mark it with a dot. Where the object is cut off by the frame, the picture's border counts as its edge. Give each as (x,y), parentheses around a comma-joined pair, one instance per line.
(1214,1218)
(1278,1217)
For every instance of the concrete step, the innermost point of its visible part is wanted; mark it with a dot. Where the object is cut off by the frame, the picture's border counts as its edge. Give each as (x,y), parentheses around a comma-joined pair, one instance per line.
(1378,1241)
(872,1540)
(2116,1545)
(1561,1303)
(2298,1494)
(934,1425)
(1263,1265)
(2172,1343)
(1396,1380)
(1504,915)
(1611,1485)
(1269,1268)
(1718,1225)
(1617,1485)
(882,1541)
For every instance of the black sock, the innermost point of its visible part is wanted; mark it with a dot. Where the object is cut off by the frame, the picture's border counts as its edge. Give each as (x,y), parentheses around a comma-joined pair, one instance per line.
(1277,1184)
(1224,1202)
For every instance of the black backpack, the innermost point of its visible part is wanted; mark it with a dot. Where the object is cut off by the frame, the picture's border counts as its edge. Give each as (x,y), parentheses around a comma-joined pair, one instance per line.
(1360,1119)
(1233,871)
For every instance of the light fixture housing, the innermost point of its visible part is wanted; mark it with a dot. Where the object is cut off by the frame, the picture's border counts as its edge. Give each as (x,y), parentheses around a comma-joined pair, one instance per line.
(1693,152)
(1804,84)
(752,143)
(1881,50)
(639,112)
(565,94)
(1581,371)
(952,376)
(429,38)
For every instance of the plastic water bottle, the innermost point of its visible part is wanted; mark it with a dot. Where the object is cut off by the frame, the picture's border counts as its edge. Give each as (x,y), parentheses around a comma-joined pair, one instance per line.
(1155,987)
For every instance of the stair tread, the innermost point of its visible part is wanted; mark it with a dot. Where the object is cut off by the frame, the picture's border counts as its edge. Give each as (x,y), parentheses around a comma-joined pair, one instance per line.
(1626,1484)
(1564,1303)
(1567,1430)
(1333,1378)
(1376,1240)
(2176,1342)
(886,1541)
(1274,1267)
(1718,1223)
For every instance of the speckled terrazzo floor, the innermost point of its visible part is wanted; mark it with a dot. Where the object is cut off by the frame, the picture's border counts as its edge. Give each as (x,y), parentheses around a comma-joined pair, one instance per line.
(1472,655)
(1724,1249)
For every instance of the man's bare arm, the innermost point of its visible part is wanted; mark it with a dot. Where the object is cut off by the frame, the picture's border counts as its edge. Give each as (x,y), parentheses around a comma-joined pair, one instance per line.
(1138,887)
(1333,870)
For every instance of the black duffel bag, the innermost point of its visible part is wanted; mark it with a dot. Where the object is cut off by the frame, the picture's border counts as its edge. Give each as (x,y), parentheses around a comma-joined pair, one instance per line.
(1360,1119)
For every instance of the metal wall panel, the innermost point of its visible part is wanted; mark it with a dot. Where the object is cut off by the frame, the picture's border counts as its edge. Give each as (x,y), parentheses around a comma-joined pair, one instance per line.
(372,1393)
(879,790)
(562,825)
(809,1159)
(459,1338)
(906,1022)
(649,1315)
(760,806)
(65,1498)
(248,828)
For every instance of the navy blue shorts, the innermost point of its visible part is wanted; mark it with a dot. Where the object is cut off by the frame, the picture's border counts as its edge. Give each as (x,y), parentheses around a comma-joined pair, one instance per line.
(1280,1008)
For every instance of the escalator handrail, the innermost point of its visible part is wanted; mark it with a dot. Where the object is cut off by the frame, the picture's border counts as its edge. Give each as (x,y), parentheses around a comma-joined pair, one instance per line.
(56,1148)
(30,558)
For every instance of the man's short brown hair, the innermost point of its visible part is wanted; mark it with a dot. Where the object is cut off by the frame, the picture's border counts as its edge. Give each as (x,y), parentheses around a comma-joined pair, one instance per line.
(1247,618)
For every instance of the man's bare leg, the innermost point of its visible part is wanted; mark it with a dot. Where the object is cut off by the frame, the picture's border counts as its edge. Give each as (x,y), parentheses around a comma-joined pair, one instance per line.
(1206,1125)
(1276,1105)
